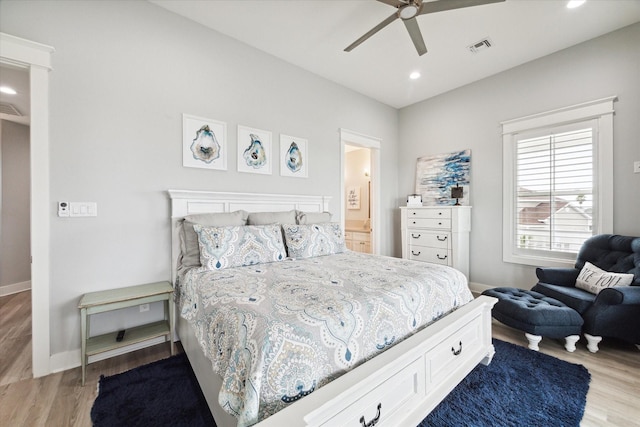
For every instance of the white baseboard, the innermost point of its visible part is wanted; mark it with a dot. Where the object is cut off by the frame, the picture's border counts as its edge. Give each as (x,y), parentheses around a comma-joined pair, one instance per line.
(478,288)
(71,359)
(14,288)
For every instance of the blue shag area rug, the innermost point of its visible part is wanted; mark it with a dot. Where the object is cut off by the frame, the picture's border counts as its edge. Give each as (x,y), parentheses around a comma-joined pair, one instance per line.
(520,387)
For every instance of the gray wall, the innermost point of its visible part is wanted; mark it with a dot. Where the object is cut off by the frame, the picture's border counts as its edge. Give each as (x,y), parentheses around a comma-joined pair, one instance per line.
(124,73)
(15,248)
(469,117)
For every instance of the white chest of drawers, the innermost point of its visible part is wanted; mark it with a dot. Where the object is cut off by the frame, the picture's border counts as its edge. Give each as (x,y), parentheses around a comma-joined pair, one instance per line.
(438,234)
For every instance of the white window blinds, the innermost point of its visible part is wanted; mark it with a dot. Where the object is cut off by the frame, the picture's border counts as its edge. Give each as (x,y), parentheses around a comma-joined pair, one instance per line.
(554,188)
(558,182)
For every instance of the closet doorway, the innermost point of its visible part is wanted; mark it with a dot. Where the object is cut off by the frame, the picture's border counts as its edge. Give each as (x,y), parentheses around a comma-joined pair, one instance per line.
(35,58)
(15,249)
(360,191)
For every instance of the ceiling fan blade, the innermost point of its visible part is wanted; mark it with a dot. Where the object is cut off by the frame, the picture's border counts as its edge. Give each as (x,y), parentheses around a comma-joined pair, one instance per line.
(372,32)
(394,3)
(416,35)
(442,5)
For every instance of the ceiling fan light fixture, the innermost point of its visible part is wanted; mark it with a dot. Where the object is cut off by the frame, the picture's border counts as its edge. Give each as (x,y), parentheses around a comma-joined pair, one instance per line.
(408,11)
(415,75)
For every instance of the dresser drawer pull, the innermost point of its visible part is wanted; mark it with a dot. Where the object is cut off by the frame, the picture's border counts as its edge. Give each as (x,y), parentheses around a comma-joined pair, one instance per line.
(373,421)
(416,254)
(443,239)
(439,257)
(439,213)
(439,223)
(458,351)
(413,213)
(415,236)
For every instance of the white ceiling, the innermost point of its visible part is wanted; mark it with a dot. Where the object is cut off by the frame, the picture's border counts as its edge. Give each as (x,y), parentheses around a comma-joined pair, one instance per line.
(312,34)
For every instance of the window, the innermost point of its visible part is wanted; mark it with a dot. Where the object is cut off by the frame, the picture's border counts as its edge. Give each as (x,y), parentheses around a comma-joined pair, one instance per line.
(557,182)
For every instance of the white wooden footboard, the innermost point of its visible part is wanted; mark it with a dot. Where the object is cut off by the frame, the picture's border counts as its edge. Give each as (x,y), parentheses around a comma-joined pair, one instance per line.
(398,387)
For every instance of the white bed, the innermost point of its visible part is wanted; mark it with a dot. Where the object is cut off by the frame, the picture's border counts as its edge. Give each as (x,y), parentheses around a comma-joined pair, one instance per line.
(400,386)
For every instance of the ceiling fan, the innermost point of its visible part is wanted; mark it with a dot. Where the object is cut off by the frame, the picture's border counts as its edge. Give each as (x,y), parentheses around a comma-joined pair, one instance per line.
(407,10)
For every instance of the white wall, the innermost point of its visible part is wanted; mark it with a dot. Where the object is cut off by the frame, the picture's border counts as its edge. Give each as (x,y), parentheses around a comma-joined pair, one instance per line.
(124,72)
(15,250)
(469,117)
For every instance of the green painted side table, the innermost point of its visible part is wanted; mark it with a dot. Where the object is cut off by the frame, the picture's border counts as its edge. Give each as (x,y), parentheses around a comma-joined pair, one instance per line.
(114,299)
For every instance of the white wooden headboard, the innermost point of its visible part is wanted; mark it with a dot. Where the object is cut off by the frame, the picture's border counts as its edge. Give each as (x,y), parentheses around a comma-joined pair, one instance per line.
(186,202)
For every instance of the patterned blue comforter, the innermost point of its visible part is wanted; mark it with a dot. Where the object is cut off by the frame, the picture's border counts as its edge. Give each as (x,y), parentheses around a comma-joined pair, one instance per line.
(275,332)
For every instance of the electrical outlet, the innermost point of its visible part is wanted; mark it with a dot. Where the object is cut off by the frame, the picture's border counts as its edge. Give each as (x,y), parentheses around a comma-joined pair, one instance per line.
(636,166)
(144,307)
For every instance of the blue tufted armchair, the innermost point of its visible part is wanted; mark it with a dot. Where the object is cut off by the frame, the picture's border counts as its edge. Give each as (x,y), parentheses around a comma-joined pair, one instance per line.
(614,312)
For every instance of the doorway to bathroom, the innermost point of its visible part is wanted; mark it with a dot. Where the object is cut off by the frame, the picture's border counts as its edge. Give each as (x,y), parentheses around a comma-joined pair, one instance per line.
(360,188)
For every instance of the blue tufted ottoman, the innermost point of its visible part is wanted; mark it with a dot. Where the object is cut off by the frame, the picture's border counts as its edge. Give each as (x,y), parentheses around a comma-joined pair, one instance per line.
(537,315)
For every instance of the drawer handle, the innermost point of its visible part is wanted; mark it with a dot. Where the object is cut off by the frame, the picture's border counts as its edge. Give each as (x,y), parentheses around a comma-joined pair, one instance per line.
(439,213)
(415,236)
(458,351)
(439,257)
(416,254)
(443,239)
(373,421)
(413,213)
(413,222)
(439,223)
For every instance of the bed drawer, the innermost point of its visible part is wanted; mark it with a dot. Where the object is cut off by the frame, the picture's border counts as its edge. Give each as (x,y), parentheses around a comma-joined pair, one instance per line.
(444,224)
(429,213)
(432,240)
(434,255)
(453,352)
(400,391)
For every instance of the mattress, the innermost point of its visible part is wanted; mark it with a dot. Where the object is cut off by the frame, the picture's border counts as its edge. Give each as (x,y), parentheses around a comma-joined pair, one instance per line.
(275,332)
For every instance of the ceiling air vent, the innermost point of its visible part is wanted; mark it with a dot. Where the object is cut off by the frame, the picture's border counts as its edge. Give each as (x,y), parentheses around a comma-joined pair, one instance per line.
(483,44)
(9,109)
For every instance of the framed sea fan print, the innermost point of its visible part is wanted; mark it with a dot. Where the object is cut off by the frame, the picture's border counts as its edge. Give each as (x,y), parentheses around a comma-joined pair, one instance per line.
(293,156)
(254,150)
(204,143)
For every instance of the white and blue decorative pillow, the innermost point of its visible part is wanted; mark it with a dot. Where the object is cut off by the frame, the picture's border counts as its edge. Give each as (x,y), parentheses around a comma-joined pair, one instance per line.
(310,240)
(225,247)
(592,279)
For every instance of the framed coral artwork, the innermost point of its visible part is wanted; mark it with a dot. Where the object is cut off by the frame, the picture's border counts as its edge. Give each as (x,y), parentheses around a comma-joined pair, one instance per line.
(293,156)
(204,143)
(254,150)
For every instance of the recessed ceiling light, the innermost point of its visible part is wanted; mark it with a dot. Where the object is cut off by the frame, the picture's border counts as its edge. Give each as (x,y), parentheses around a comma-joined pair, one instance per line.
(415,75)
(7,90)
(575,3)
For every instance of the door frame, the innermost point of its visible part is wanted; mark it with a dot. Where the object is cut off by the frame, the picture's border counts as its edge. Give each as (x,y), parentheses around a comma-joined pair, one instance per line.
(36,59)
(348,137)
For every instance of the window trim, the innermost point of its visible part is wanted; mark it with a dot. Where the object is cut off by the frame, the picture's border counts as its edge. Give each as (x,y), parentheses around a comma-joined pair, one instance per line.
(600,110)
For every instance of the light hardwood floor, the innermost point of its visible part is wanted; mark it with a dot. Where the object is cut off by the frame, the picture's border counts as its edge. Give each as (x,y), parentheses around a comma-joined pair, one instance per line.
(60,400)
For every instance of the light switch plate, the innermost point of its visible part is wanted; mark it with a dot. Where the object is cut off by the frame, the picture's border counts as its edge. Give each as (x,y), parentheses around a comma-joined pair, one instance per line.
(78,209)
(636,166)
